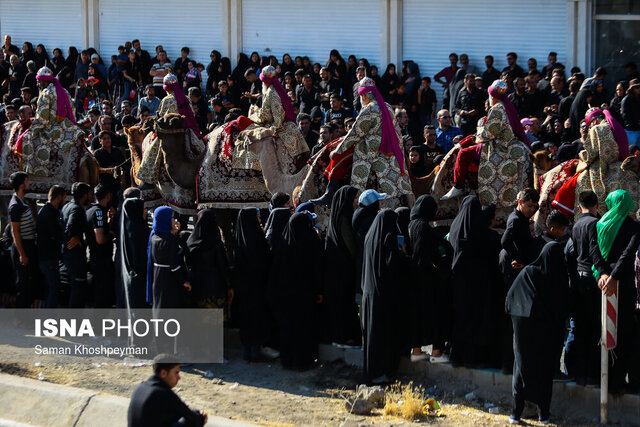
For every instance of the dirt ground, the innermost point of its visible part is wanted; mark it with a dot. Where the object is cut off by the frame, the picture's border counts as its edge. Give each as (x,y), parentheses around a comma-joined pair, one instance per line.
(261,393)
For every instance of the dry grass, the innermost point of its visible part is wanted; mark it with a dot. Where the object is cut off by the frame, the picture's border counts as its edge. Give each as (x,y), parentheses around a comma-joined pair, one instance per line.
(405,401)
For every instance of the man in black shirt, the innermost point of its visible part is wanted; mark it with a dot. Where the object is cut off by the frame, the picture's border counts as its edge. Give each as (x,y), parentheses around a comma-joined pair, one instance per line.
(74,259)
(106,123)
(200,108)
(181,66)
(49,239)
(518,250)
(100,241)
(490,74)
(536,99)
(336,112)
(310,136)
(583,353)
(219,113)
(153,404)
(328,84)
(513,67)
(23,249)
(519,98)
(144,59)
(470,105)
(306,95)
(427,102)
(112,160)
(430,150)
(324,138)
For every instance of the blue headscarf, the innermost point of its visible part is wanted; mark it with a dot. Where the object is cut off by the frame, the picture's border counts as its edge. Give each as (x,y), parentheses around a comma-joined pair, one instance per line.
(161,225)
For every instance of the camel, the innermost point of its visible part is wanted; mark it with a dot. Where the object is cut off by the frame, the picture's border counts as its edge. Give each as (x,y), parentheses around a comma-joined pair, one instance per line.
(75,165)
(135,137)
(448,209)
(182,160)
(554,179)
(274,161)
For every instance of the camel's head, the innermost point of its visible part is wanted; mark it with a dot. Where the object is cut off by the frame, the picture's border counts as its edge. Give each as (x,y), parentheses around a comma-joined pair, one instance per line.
(542,160)
(631,164)
(135,136)
(170,122)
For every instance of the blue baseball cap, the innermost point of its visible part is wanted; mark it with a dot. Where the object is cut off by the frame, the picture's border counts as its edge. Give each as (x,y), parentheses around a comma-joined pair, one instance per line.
(369,197)
(308,208)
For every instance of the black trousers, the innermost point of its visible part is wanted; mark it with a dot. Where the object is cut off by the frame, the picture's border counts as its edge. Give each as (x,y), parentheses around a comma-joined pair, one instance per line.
(75,270)
(25,275)
(102,283)
(582,352)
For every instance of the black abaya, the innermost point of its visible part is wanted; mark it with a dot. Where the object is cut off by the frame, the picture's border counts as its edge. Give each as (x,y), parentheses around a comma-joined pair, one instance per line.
(430,257)
(340,269)
(474,280)
(536,303)
(362,219)
(169,273)
(380,309)
(252,268)
(298,279)
(208,264)
(132,251)
(276,223)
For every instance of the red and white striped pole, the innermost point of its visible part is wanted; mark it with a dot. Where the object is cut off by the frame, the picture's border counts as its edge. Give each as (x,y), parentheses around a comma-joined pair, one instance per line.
(608,342)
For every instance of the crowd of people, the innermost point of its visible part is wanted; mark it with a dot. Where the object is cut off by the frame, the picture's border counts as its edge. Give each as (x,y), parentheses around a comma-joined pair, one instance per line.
(381,279)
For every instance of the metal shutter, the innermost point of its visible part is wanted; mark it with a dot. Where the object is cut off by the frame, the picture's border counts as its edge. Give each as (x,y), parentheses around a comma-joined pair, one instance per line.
(196,24)
(52,23)
(434,29)
(313,28)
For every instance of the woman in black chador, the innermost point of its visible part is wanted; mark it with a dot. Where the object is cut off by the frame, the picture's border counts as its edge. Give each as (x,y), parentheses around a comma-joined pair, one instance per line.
(297,283)
(252,269)
(380,311)
(475,279)
(208,264)
(133,241)
(340,269)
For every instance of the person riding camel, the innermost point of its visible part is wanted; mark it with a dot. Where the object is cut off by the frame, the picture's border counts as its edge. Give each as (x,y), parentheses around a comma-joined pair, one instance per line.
(375,141)
(174,103)
(600,166)
(493,137)
(53,129)
(278,116)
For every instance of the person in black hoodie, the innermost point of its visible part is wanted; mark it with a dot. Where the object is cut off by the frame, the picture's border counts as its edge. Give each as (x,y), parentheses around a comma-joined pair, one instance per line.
(536,303)
(340,269)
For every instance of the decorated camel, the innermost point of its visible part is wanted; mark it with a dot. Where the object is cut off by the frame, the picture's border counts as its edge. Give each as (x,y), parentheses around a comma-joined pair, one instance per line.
(67,164)
(487,180)
(207,178)
(603,166)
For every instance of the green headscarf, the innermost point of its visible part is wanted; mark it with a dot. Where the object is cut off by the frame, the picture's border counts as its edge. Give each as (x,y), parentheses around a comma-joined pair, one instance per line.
(619,203)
